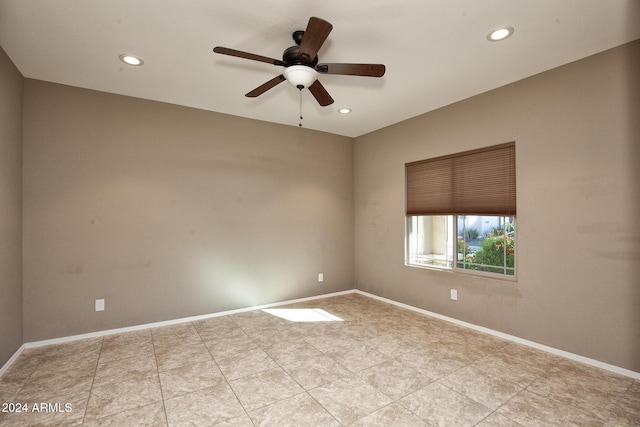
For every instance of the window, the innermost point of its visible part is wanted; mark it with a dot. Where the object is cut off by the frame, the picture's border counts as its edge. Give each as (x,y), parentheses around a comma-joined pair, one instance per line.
(470,242)
(461,211)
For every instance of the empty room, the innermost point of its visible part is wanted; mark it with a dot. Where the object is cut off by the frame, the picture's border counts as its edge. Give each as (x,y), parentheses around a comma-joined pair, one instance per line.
(279,213)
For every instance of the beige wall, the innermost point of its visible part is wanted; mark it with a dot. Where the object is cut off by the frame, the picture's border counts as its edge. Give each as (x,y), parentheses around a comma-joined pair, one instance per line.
(10,208)
(577,139)
(167,212)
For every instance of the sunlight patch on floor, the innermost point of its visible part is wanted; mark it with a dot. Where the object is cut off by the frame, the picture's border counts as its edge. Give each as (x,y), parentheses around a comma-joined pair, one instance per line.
(303,314)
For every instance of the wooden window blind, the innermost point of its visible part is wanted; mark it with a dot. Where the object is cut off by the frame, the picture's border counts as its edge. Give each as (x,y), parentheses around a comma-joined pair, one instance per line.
(476,182)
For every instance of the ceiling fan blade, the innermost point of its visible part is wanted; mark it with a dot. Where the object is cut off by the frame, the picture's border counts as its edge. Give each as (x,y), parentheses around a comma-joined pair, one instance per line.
(320,94)
(314,36)
(246,55)
(366,70)
(266,86)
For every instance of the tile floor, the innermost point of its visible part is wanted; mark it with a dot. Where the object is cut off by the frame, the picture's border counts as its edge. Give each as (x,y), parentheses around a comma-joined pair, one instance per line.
(381,366)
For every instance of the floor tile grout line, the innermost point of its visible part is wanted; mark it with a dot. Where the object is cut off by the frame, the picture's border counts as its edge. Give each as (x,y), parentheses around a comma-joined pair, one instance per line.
(353,375)
(322,406)
(155,356)
(305,391)
(546,396)
(511,398)
(283,370)
(22,386)
(93,380)
(226,380)
(437,380)
(492,411)
(521,361)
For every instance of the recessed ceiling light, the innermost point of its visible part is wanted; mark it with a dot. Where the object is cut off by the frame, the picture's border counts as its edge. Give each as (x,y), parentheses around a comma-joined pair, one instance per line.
(131,60)
(499,34)
(344,110)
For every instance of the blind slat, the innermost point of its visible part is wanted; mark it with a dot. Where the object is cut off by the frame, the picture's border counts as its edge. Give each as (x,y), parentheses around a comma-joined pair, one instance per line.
(476,182)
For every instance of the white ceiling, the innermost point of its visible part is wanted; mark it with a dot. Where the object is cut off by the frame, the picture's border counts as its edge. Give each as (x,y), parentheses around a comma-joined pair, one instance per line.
(435,51)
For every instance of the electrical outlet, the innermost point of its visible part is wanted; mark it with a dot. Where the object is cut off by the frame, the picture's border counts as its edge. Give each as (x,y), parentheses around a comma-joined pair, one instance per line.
(320,277)
(454,294)
(100,305)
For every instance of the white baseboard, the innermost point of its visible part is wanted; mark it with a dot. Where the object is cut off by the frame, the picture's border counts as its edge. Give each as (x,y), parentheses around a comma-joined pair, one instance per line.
(176,321)
(12,359)
(566,354)
(513,338)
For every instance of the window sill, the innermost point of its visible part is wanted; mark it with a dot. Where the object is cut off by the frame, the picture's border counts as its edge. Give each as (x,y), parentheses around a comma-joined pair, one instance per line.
(474,273)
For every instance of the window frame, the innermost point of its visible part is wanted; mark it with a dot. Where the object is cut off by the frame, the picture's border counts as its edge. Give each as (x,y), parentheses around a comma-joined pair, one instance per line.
(454,263)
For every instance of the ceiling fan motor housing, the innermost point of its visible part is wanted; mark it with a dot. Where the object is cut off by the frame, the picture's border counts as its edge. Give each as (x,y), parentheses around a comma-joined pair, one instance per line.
(290,57)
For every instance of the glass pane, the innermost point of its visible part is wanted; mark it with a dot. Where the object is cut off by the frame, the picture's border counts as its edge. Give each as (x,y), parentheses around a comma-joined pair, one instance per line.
(430,241)
(486,243)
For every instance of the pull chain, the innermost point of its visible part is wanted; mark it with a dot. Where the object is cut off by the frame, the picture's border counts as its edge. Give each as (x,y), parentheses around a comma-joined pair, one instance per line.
(300,87)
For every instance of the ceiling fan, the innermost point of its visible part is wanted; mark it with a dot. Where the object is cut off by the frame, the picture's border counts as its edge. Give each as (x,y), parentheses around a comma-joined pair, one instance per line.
(301,63)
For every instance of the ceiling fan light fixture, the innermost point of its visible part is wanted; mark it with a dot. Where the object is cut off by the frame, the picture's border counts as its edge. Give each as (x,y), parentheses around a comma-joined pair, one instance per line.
(499,34)
(300,75)
(131,60)
(301,66)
